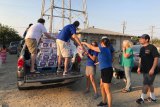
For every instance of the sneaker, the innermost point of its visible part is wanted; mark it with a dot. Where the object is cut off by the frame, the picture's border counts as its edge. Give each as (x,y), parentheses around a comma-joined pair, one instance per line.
(59,70)
(139,101)
(95,96)
(149,99)
(65,73)
(102,104)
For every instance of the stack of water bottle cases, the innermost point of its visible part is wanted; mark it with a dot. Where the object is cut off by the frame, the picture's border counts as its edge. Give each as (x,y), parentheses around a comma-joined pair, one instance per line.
(47,55)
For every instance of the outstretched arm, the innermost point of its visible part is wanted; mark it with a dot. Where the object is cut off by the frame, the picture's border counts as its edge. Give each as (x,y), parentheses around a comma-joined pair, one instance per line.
(91,47)
(49,36)
(74,37)
(92,57)
(78,41)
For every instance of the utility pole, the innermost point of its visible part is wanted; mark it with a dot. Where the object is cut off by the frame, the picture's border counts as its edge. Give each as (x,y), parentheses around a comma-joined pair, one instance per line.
(70,14)
(85,14)
(43,7)
(63,14)
(124,26)
(152,32)
(51,16)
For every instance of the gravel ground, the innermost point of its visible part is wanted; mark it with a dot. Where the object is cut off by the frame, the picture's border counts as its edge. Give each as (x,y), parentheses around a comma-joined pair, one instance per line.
(70,95)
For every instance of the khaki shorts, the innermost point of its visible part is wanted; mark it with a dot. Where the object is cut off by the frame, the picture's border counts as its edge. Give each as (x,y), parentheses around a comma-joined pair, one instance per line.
(32,45)
(90,70)
(63,48)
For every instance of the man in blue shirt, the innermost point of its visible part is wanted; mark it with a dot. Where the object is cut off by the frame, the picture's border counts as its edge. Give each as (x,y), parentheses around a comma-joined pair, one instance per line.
(63,47)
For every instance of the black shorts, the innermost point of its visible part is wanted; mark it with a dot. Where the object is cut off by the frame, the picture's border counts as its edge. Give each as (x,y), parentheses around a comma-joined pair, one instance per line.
(106,75)
(147,79)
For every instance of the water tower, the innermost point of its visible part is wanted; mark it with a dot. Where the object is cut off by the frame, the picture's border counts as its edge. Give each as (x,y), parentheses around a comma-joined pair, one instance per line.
(65,12)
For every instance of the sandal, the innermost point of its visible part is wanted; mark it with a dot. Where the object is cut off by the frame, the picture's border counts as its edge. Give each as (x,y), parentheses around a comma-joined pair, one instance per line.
(125,91)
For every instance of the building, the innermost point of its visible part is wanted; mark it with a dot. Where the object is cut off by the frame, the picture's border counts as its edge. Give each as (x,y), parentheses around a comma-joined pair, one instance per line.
(95,34)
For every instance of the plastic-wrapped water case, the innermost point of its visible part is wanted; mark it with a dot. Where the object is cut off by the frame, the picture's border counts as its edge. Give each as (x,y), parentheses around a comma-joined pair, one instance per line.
(53,57)
(51,63)
(80,51)
(53,45)
(45,57)
(42,64)
(46,50)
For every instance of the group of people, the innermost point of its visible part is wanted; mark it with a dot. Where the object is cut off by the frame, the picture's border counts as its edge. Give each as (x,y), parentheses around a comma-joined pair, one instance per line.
(103,54)
(148,61)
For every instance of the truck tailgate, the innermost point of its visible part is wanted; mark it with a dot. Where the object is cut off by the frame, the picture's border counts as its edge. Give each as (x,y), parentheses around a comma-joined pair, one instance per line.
(46,77)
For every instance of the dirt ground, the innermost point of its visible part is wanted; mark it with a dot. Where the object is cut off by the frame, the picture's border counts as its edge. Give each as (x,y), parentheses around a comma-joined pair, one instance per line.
(70,95)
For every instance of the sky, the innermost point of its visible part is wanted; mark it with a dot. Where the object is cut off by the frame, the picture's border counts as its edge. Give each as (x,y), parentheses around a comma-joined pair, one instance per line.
(139,15)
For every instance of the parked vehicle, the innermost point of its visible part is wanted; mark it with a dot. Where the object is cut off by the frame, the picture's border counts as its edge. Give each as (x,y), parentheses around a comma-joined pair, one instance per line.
(47,76)
(19,47)
(12,49)
(136,50)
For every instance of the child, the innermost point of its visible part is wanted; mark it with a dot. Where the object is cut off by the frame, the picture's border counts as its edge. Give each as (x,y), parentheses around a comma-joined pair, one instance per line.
(3,54)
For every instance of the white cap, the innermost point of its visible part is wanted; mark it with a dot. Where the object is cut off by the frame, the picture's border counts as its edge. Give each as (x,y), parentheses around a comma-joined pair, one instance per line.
(104,37)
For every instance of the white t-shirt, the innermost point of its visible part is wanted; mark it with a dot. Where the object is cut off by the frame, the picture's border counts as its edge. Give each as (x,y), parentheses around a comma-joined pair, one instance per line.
(36,31)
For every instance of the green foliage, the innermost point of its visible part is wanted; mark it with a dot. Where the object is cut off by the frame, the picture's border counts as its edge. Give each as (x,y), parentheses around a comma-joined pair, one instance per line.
(135,39)
(8,34)
(156,41)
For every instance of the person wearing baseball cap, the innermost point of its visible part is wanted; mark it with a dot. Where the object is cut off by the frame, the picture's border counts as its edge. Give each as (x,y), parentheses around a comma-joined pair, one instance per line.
(104,37)
(148,62)
(145,36)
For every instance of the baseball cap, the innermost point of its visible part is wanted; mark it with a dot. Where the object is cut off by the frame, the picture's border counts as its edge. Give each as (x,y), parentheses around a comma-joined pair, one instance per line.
(104,37)
(145,36)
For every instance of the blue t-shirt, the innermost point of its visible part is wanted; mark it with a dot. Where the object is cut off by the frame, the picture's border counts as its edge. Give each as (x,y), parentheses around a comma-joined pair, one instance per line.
(67,32)
(111,48)
(90,62)
(104,57)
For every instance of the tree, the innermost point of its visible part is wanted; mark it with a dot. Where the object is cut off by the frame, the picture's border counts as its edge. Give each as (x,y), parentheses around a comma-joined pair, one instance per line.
(8,34)
(156,41)
(135,39)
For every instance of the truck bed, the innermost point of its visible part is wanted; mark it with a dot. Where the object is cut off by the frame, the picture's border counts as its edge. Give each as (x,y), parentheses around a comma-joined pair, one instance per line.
(51,77)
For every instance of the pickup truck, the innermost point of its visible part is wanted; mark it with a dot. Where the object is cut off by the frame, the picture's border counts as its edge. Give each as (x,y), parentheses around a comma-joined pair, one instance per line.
(47,75)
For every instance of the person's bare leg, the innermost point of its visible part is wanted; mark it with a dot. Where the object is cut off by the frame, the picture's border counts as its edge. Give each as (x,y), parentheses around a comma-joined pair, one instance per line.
(145,89)
(87,84)
(151,88)
(108,93)
(66,62)
(152,95)
(59,61)
(93,83)
(103,92)
(33,59)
